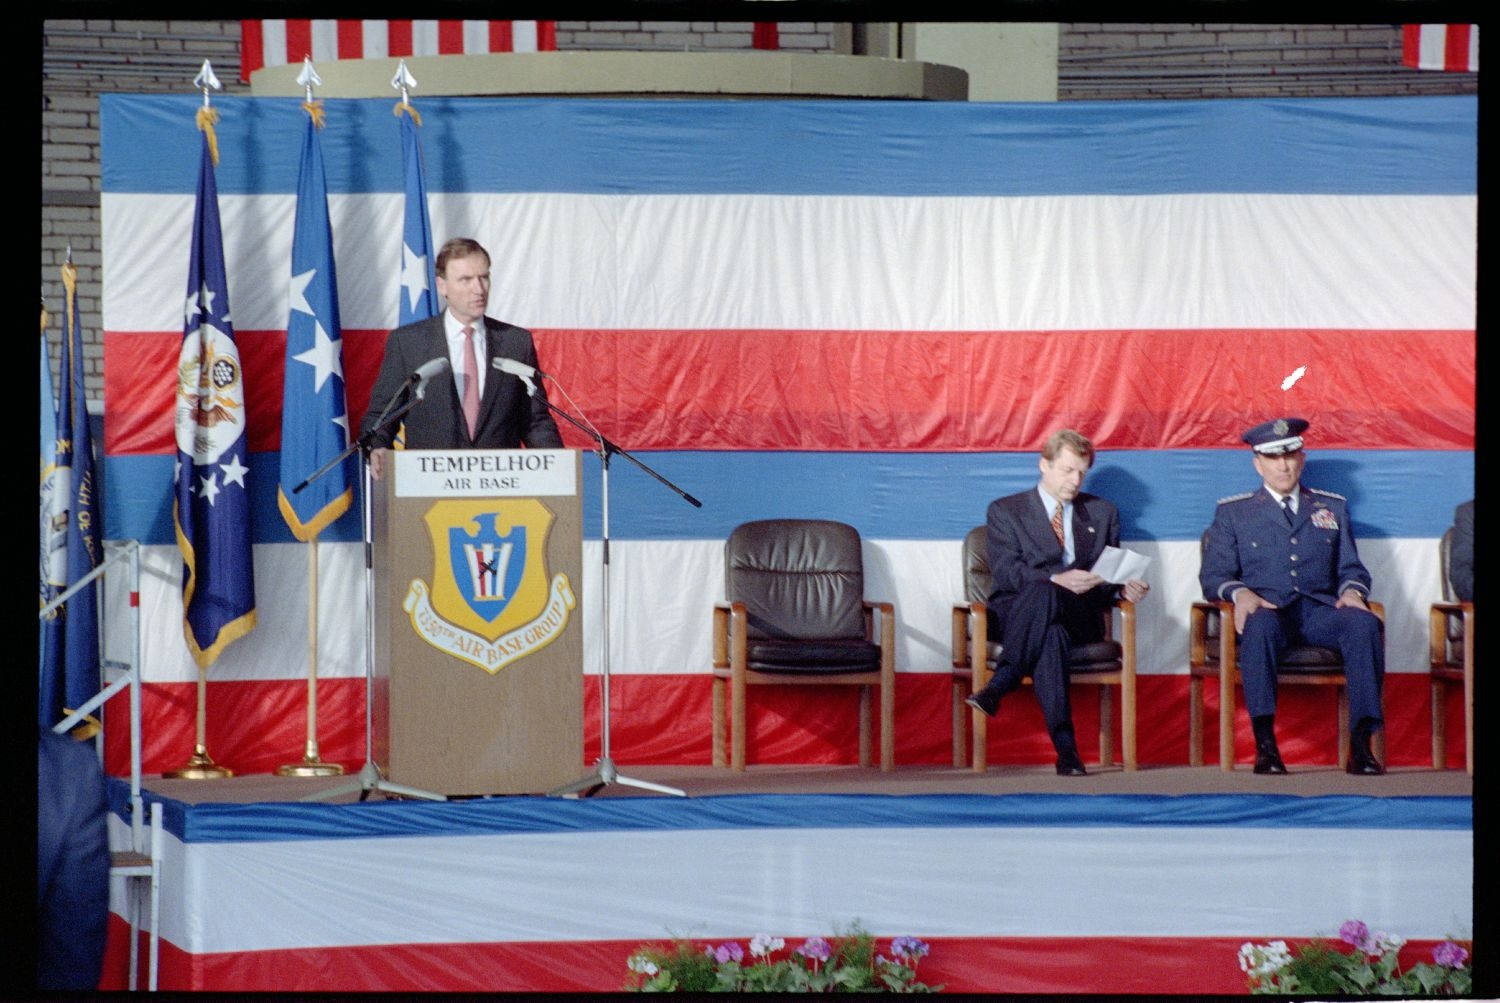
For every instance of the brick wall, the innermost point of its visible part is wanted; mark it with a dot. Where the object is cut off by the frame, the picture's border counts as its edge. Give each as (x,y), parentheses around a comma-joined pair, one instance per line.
(689,36)
(1143,61)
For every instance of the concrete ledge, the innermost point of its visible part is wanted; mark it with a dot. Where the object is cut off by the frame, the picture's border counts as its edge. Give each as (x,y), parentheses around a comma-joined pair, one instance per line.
(631,74)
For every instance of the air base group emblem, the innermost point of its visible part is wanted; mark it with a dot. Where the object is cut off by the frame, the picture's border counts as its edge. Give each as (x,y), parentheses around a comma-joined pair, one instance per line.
(491,601)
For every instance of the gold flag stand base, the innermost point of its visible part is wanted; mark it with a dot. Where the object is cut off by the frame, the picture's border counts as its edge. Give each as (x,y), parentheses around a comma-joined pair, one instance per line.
(200,766)
(311,766)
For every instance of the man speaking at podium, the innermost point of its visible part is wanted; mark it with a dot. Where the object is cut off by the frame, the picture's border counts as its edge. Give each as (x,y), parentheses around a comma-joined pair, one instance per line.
(467,404)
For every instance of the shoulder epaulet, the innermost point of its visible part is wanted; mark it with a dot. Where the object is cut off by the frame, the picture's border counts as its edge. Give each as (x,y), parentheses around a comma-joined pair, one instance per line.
(1326,494)
(1238,497)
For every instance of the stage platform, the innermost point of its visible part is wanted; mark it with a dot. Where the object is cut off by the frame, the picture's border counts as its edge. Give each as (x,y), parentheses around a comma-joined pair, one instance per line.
(708,781)
(1022,882)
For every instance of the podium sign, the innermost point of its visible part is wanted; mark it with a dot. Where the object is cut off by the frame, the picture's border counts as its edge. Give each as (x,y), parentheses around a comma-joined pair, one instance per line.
(478,676)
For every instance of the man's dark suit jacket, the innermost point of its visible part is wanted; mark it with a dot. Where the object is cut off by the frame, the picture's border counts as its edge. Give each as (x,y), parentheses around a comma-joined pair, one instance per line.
(72,865)
(507,416)
(1461,554)
(1022,549)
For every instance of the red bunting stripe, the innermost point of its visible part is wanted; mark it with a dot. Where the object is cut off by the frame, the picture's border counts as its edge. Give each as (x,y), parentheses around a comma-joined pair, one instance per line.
(911,391)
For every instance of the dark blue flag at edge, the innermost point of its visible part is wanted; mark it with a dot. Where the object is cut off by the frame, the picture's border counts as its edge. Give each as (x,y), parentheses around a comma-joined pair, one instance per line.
(70,660)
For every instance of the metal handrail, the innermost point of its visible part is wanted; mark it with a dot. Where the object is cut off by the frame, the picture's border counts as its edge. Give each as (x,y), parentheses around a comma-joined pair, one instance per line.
(123,550)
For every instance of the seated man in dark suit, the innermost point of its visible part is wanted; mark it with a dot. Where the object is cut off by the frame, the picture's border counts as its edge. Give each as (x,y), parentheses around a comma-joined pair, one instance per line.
(1461,552)
(1041,544)
(1285,556)
(471,404)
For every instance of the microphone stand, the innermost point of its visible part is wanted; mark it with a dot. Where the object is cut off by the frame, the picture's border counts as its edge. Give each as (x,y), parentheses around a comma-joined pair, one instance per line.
(370,778)
(604,768)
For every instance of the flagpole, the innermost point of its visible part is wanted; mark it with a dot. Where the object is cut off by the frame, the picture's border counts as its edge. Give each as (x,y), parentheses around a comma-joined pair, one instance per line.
(314,418)
(200,765)
(311,765)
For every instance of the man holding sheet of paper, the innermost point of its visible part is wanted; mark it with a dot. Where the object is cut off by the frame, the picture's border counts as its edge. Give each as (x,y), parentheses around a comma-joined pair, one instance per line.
(1043,545)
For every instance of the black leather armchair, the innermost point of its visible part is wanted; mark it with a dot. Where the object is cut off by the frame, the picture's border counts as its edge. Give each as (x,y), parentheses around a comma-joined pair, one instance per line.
(796,615)
(1106,664)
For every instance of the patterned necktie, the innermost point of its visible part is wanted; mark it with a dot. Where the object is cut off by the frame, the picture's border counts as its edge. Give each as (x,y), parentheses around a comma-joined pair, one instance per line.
(1057,527)
(1286,509)
(471,383)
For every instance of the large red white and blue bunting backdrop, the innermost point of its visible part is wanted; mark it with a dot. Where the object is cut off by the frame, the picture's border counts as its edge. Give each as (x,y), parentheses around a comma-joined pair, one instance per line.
(872,312)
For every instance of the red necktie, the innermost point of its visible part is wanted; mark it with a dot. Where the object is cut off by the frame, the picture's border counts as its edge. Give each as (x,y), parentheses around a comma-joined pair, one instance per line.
(1057,527)
(471,383)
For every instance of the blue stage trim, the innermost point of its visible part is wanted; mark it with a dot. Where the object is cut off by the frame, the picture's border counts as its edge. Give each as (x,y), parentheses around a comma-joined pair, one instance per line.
(1161,494)
(1404,145)
(276,822)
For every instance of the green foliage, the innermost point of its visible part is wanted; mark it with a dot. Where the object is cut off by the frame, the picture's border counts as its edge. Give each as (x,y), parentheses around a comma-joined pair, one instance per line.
(1369,967)
(847,963)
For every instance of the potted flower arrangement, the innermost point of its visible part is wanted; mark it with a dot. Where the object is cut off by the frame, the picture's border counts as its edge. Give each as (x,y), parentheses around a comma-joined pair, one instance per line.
(847,963)
(1371,968)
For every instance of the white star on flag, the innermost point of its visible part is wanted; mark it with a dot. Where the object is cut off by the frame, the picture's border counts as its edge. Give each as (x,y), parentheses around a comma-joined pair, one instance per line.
(413,274)
(201,302)
(234,471)
(209,488)
(297,292)
(324,356)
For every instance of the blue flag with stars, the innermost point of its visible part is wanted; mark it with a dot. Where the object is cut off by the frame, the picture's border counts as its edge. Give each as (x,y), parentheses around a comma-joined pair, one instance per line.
(419,298)
(70,658)
(211,509)
(314,419)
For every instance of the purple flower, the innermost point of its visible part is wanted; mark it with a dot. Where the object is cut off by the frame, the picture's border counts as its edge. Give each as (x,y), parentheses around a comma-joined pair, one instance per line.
(815,948)
(1354,932)
(909,948)
(1449,955)
(727,952)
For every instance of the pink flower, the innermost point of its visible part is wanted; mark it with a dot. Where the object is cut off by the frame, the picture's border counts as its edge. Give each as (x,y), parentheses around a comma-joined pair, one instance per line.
(727,952)
(909,948)
(1449,955)
(815,948)
(1355,933)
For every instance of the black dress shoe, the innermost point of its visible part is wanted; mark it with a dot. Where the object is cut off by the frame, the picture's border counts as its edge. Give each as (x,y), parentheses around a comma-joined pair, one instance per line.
(984,702)
(1268,758)
(1363,764)
(1362,761)
(1069,765)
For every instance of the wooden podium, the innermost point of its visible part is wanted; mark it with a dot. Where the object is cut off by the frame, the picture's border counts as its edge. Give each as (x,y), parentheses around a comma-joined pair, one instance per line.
(478,634)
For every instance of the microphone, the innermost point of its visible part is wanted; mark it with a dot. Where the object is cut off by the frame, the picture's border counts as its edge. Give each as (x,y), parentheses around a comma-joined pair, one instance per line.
(527,374)
(425,372)
(515,368)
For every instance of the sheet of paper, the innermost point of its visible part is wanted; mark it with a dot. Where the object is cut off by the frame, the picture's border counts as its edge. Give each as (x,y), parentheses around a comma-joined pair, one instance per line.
(1118,565)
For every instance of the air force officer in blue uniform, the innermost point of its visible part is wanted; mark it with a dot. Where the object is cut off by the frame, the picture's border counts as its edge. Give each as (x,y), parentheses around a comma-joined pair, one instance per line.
(1285,556)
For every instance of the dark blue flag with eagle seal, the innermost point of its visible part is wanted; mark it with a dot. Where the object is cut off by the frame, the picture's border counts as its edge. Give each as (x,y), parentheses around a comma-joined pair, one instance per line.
(211,510)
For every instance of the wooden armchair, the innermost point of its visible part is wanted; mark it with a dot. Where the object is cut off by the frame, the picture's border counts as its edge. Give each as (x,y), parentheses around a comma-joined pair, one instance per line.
(796,615)
(1107,664)
(1451,639)
(1212,645)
